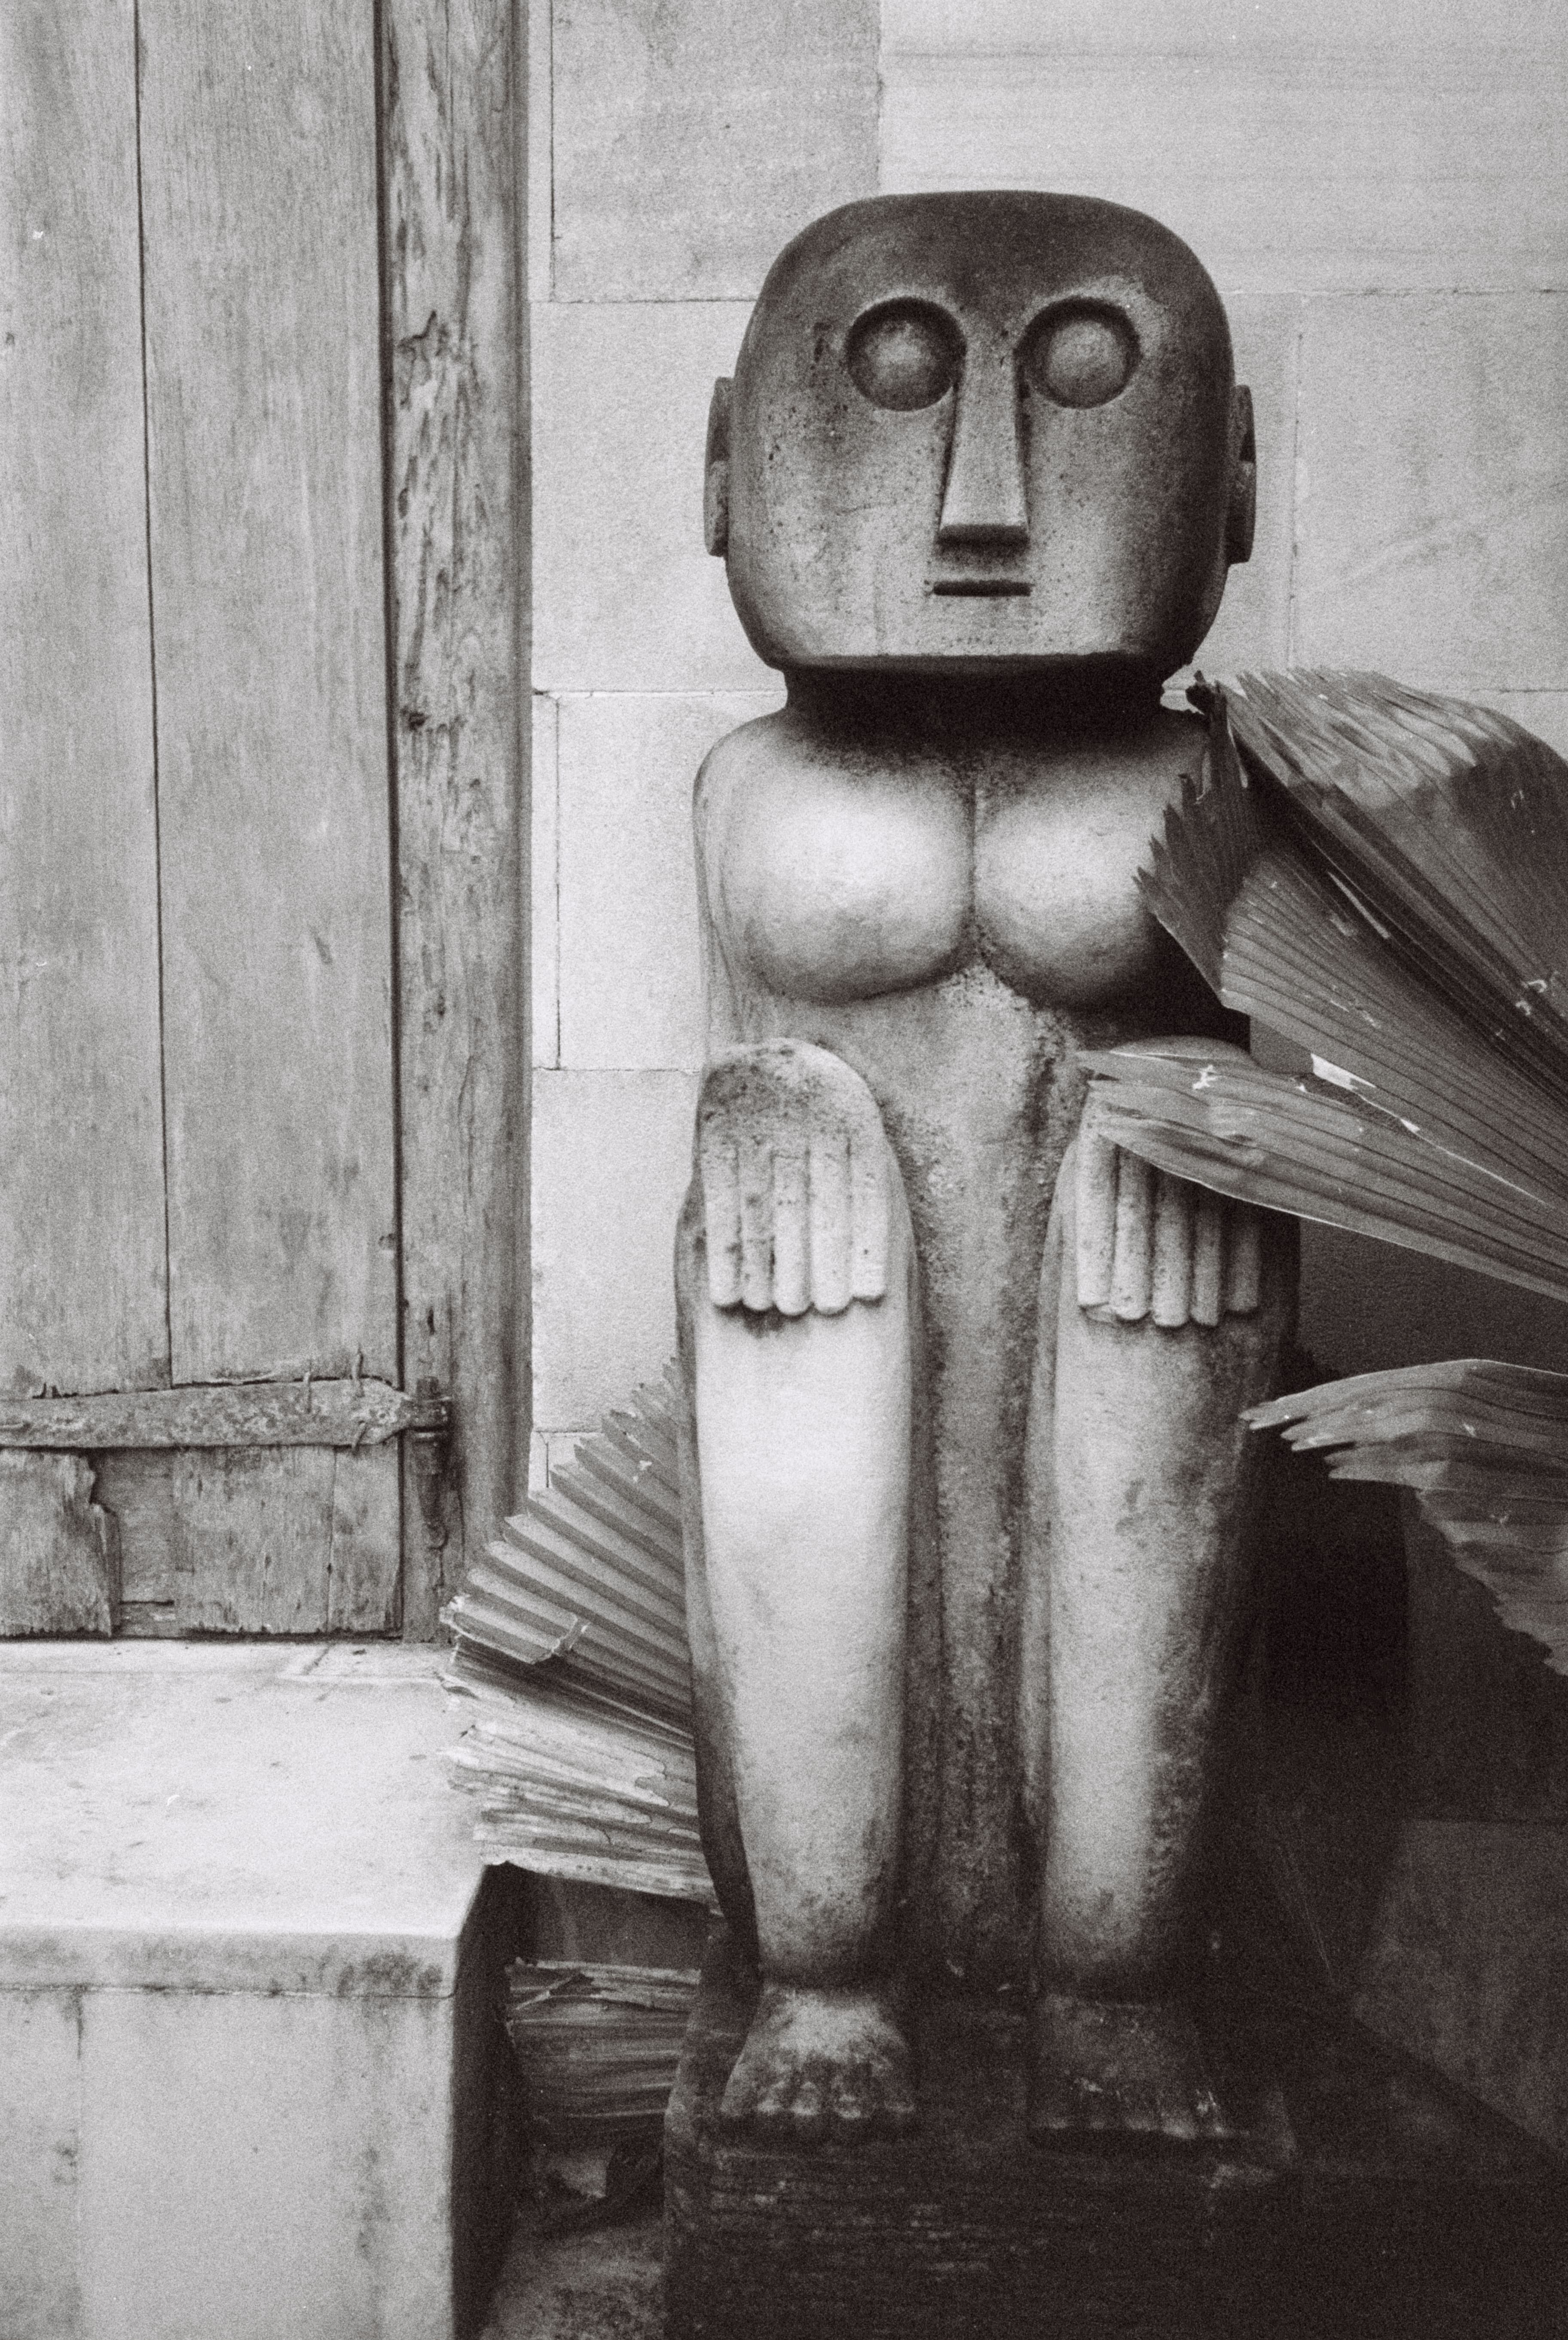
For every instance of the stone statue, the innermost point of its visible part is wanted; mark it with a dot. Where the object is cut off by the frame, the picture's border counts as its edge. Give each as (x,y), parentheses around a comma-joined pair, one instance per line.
(968,1491)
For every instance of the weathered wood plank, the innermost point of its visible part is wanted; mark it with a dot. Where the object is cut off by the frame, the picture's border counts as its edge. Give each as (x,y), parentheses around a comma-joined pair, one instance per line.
(450,77)
(59,1551)
(244,1413)
(82,1263)
(258,177)
(255,1540)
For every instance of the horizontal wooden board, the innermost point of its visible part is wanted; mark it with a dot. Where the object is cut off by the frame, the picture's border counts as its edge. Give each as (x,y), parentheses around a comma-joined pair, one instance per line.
(265,516)
(256,1540)
(59,1551)
(82,1260)
(244,1413)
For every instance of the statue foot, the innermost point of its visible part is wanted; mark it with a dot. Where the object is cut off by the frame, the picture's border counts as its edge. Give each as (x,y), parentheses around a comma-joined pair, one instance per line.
(1135,2074)
(822,2065)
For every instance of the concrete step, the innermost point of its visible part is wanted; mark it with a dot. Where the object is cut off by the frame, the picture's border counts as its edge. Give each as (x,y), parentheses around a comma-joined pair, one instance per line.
(253,2082)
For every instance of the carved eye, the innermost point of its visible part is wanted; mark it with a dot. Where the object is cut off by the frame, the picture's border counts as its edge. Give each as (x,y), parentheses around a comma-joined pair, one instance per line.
(1080,356)
(905,355)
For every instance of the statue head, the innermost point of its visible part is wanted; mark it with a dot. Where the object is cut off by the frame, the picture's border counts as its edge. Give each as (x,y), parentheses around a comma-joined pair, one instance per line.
(981,431)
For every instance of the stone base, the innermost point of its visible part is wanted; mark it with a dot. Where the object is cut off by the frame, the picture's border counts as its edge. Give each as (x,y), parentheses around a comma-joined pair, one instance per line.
(1395,2205)
(253,2079)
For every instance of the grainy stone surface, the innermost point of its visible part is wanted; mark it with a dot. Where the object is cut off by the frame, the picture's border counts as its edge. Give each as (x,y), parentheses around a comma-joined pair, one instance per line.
(40,2143)
(1399,2206)
(1487,1717)
(692,140)
(630,974)
(625,596)
(1253,628)
(1432,517)
(612,1156)
(606,2285)
(1292,156)
(249,1959)
(1469,1963)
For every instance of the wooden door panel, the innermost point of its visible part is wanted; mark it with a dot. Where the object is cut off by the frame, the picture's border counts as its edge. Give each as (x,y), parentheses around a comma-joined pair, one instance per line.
(254,1540)
(83,1304)
(264,501)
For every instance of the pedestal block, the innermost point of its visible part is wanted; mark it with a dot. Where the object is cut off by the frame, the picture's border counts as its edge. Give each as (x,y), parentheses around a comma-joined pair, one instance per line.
(250,2059)
(1396,2206)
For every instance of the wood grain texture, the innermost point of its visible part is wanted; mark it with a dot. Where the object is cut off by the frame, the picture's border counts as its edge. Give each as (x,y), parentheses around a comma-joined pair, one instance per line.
(255,1540)
(259,186)
(246,1414)
(59,1551)
(82,1260)
(458,496)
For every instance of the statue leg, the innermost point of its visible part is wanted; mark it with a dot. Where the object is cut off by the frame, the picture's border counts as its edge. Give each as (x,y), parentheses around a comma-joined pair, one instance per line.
(797,1298)
(1170,1310)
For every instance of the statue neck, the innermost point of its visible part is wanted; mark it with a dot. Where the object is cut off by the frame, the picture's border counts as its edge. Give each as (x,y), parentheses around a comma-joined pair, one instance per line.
(969,708)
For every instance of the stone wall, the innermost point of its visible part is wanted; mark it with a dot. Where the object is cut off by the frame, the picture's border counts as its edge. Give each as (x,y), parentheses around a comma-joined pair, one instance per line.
(1382,194)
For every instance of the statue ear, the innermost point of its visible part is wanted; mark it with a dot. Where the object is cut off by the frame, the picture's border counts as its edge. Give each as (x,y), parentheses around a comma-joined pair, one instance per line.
(716,476)
(1241,514)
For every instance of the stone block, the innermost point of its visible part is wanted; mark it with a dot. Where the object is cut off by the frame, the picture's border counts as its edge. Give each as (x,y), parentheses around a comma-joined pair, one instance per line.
(1432,516)
(1366,1305)
(1487,1718)
(625,596)
(543,886)
(250,2078)
(1469,1964)
(693,140)
(1253,628)
(40,2143)
(630,970)
(285,2129)
(612,1156)
(1384,154)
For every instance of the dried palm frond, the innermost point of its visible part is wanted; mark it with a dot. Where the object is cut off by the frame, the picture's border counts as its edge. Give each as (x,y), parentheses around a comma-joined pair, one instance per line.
(588,1577)
(1452,820)
(571,1649)
(1382,877)
(572,1784)
(597,2046)
(1485,1446)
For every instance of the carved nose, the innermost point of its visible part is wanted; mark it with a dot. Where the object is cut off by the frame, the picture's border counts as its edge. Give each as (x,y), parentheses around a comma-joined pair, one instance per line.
(983,501)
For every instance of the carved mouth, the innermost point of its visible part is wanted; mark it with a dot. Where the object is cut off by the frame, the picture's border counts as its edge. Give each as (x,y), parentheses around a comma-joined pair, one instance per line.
(981,589)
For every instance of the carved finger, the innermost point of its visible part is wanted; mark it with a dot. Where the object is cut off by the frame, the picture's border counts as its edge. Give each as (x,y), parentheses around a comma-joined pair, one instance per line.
(1244,1263)
(1130,1267)
(869,1217)
(1208,1258)
(720,1173)
(791,1262)
(829,1222)
(1094,1206)
(1170,1281)
(756,1186)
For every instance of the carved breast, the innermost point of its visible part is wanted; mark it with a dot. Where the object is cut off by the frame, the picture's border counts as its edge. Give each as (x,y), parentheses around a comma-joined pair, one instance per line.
(836,876)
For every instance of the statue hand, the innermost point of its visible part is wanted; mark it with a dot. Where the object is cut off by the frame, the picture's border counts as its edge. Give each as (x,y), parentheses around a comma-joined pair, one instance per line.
(797,1179)
(1151,1244)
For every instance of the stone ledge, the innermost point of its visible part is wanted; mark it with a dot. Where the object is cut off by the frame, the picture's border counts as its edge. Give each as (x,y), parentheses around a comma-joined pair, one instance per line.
(252,2076)
(202,1816)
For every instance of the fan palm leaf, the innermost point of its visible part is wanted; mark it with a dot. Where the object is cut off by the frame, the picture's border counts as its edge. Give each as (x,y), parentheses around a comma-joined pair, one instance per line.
(1381,877)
